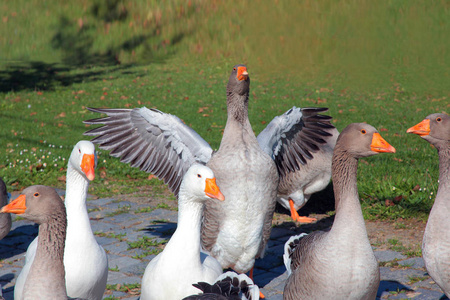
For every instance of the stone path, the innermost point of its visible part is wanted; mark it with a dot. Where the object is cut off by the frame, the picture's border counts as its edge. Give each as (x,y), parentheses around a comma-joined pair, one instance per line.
(122,226)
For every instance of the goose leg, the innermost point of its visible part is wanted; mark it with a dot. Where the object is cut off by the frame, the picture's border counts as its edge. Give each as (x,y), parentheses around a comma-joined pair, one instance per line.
(261,295)
(295,216)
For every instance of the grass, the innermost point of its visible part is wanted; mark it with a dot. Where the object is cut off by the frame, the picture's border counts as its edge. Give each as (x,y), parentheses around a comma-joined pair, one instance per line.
(384,64)
(119,236)
(149,245)
(133,288)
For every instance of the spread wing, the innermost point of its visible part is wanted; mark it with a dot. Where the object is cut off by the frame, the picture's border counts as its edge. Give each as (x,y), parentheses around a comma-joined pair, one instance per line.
(292,138)
(151,140)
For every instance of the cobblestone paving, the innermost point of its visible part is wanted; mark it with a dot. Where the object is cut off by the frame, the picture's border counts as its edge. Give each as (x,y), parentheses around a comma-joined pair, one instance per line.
(119,223)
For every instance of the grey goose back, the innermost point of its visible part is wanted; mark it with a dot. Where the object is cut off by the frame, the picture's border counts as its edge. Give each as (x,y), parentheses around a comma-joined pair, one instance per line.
(435,129)
(235,231)
(301,179)
(42,205)
(339,264)
(228,286)
(5,219)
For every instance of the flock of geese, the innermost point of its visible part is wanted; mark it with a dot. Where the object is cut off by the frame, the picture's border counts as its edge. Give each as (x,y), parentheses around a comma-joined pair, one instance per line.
(226,201)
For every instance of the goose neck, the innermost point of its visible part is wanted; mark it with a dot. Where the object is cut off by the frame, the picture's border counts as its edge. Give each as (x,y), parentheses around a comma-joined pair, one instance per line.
(51,240)
(76,191)
(444,164)
(237,107)
(348,208)
(444,178)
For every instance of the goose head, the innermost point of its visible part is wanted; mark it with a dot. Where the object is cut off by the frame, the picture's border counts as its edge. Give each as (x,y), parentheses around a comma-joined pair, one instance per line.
(84,159)
(239,82)
(362,140)
(199,182)
(435,129)
(37,203)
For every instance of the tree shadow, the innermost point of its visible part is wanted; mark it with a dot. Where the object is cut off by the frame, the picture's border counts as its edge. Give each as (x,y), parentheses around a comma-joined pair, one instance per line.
(74,40)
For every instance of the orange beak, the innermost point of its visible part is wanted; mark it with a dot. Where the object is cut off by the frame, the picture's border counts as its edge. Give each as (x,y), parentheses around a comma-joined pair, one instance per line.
(18,206)
(380,145)
(242,73)
(423,128)
(88,166)
(212,190)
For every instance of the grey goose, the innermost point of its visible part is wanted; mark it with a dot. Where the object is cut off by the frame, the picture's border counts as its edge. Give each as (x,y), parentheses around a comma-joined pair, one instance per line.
(235,231)
(339,263)
(435,129)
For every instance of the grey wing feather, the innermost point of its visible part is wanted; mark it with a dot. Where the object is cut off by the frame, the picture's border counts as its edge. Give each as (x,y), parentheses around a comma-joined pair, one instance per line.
(292,138)
(151,140)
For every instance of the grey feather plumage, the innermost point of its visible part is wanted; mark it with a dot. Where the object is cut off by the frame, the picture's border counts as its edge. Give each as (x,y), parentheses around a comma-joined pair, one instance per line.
(151,140)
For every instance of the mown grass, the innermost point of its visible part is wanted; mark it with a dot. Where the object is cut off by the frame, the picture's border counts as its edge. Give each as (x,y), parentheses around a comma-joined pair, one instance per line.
(384,64)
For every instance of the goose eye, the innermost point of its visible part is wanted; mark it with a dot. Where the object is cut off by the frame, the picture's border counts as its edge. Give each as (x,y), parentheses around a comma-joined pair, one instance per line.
(199,176)
(36,194)
(363,131)
(438,119)
(79,150)
(234,69)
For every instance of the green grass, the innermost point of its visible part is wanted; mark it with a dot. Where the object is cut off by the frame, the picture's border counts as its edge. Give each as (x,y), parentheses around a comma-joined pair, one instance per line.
(149,245)
(380,63)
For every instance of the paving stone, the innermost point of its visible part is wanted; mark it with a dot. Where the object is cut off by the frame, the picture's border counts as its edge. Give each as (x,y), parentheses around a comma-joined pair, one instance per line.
(400,275)
(388,255)
(414,262)
(125,280)
(116,248)
(120,262)
(101,202)
(270,272)
(102,226)
(278,232)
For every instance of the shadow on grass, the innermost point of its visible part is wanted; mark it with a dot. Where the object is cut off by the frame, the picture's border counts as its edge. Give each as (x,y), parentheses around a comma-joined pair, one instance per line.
(74,41)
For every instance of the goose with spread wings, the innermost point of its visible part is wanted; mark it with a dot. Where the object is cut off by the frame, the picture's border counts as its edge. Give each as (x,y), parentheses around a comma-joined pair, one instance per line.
(235,231)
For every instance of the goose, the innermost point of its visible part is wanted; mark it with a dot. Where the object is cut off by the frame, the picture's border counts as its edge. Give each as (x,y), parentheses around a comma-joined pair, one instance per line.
(42,205)
(85,260)
(171,273)
(297,185)
(338,264)
(435,129)
(228,286)
(5,219)
(235,231)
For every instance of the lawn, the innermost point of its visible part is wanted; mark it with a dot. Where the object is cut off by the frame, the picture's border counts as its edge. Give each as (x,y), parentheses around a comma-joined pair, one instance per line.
(384,64)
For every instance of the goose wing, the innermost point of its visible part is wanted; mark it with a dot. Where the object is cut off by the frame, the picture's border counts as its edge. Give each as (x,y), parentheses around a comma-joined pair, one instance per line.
(154,141)
(290,139)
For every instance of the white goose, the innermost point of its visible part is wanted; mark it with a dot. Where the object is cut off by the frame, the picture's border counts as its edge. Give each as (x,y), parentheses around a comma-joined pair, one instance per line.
(170,275)
(235,231)
(85,261)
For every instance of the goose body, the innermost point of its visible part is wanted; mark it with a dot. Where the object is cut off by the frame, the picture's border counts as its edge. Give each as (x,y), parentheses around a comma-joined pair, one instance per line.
(296,186)
(435,129)
(170,274)
(235,231)
(85,260)
(41,204)
(228,286)
(338,264)
(5,219)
